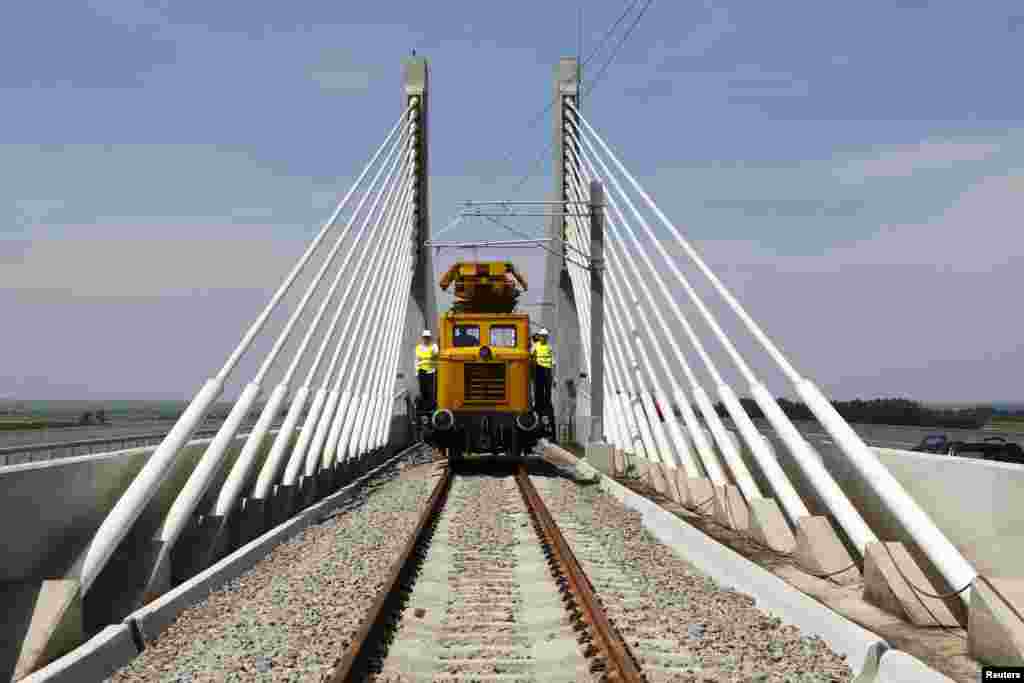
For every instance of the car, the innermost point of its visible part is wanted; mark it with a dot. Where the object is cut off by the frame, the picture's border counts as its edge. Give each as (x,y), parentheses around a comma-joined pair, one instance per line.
(994,448)
(934,443)
(991,448)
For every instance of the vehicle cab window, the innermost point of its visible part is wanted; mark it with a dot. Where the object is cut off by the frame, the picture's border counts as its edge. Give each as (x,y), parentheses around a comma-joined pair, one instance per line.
(503,336)
(466,335)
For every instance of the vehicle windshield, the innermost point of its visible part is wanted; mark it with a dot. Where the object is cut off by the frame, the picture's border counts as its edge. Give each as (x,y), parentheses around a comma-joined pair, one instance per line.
(503,336)
(466,335)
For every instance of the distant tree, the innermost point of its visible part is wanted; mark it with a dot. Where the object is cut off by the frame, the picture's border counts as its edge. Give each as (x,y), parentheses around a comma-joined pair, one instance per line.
(101,416)
(86,418)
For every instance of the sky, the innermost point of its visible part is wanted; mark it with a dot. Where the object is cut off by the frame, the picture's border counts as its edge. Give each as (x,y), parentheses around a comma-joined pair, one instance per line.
(853,172)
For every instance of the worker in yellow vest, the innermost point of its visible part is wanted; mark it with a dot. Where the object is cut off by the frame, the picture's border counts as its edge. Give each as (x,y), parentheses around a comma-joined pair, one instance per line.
(426,369)
(543,357)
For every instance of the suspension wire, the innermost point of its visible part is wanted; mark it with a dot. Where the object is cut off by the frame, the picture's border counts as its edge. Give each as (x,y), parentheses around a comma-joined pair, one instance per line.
(261,320)
(301,307)
(382,396)
(355,278)
(398,195)
(625,264)
(950,562)
(630,383)
(682,453)
(618,364)
(339,405)
(712,464)
(342,418)
(385,262)
(382,419)
(377,335)
(725,444)
(604,68)
(848,517)
(308,431)
(343,268)
(553,101)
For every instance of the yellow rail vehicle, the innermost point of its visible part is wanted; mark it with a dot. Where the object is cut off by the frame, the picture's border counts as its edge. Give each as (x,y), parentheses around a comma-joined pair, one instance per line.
(483,375)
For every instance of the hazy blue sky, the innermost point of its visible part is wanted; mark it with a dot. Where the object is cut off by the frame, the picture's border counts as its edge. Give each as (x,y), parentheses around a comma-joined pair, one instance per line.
(854,170)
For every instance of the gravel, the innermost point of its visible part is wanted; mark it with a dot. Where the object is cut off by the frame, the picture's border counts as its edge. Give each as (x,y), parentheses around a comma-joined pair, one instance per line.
(291,616)
(680,624)
(484,605)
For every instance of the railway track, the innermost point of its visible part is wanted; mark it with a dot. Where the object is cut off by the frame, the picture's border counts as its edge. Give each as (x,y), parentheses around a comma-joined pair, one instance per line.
(487,589)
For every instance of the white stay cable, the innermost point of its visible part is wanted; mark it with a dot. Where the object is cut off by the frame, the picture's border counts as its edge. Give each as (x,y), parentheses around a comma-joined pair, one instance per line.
(697,433)
(317,453)
(726,446)
(378,334)
(637,409)
(381,422)
(579,279)
(367,332)
(359,316)
(625,264)
(146,484)
(279,453)
(388,342)
(617,273)
(307,434)
(947,559)
(378,268)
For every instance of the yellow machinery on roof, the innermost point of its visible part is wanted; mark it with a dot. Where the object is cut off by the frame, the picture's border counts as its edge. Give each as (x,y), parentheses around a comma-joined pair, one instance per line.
(488,286)
(483,376)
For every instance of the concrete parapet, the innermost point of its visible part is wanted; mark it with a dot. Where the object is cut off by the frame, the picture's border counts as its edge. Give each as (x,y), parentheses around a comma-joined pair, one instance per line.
(729,509)
(48,623)
(768,526)
(995,631)
(899,667)
(94,660)
(820,551)
(890,575)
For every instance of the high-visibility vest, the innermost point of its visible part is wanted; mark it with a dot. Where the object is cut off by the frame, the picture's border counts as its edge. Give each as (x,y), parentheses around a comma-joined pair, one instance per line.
(543,354)
(426,358)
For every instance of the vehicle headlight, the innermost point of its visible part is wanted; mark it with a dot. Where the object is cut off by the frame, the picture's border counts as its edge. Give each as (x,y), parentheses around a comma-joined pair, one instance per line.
(443,419)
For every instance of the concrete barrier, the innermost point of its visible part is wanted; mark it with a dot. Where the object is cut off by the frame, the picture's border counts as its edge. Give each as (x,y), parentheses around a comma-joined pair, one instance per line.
(94,660)
(975,503)
(115,646)
(59,505)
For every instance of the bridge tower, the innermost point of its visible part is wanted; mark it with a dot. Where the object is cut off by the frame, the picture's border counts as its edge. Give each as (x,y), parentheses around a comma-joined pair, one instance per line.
(422,310)
(558,312)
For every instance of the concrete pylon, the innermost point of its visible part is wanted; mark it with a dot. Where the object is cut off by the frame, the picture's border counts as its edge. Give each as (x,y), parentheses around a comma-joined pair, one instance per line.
(422,310)
(559,313)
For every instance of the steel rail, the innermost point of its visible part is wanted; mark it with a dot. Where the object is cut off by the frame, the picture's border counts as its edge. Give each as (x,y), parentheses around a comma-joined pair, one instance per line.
(622,667)
(357,655)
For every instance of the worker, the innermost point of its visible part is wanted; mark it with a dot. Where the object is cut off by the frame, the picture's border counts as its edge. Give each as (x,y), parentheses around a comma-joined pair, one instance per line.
(426,369)
(543,357)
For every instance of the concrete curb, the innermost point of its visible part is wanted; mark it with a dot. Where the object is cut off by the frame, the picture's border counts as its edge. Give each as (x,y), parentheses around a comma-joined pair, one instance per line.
(94,660)
(153,618)
(899,667)
(869,656)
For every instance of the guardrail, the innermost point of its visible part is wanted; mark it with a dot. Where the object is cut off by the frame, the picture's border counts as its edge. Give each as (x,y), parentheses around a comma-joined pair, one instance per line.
(17,455)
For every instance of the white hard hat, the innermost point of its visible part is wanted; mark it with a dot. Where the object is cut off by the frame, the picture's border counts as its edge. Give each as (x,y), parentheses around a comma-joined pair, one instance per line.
(543,331)
(426,333)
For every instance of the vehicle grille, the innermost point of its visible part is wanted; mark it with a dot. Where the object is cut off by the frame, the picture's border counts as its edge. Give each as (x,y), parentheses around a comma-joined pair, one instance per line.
(485,383)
